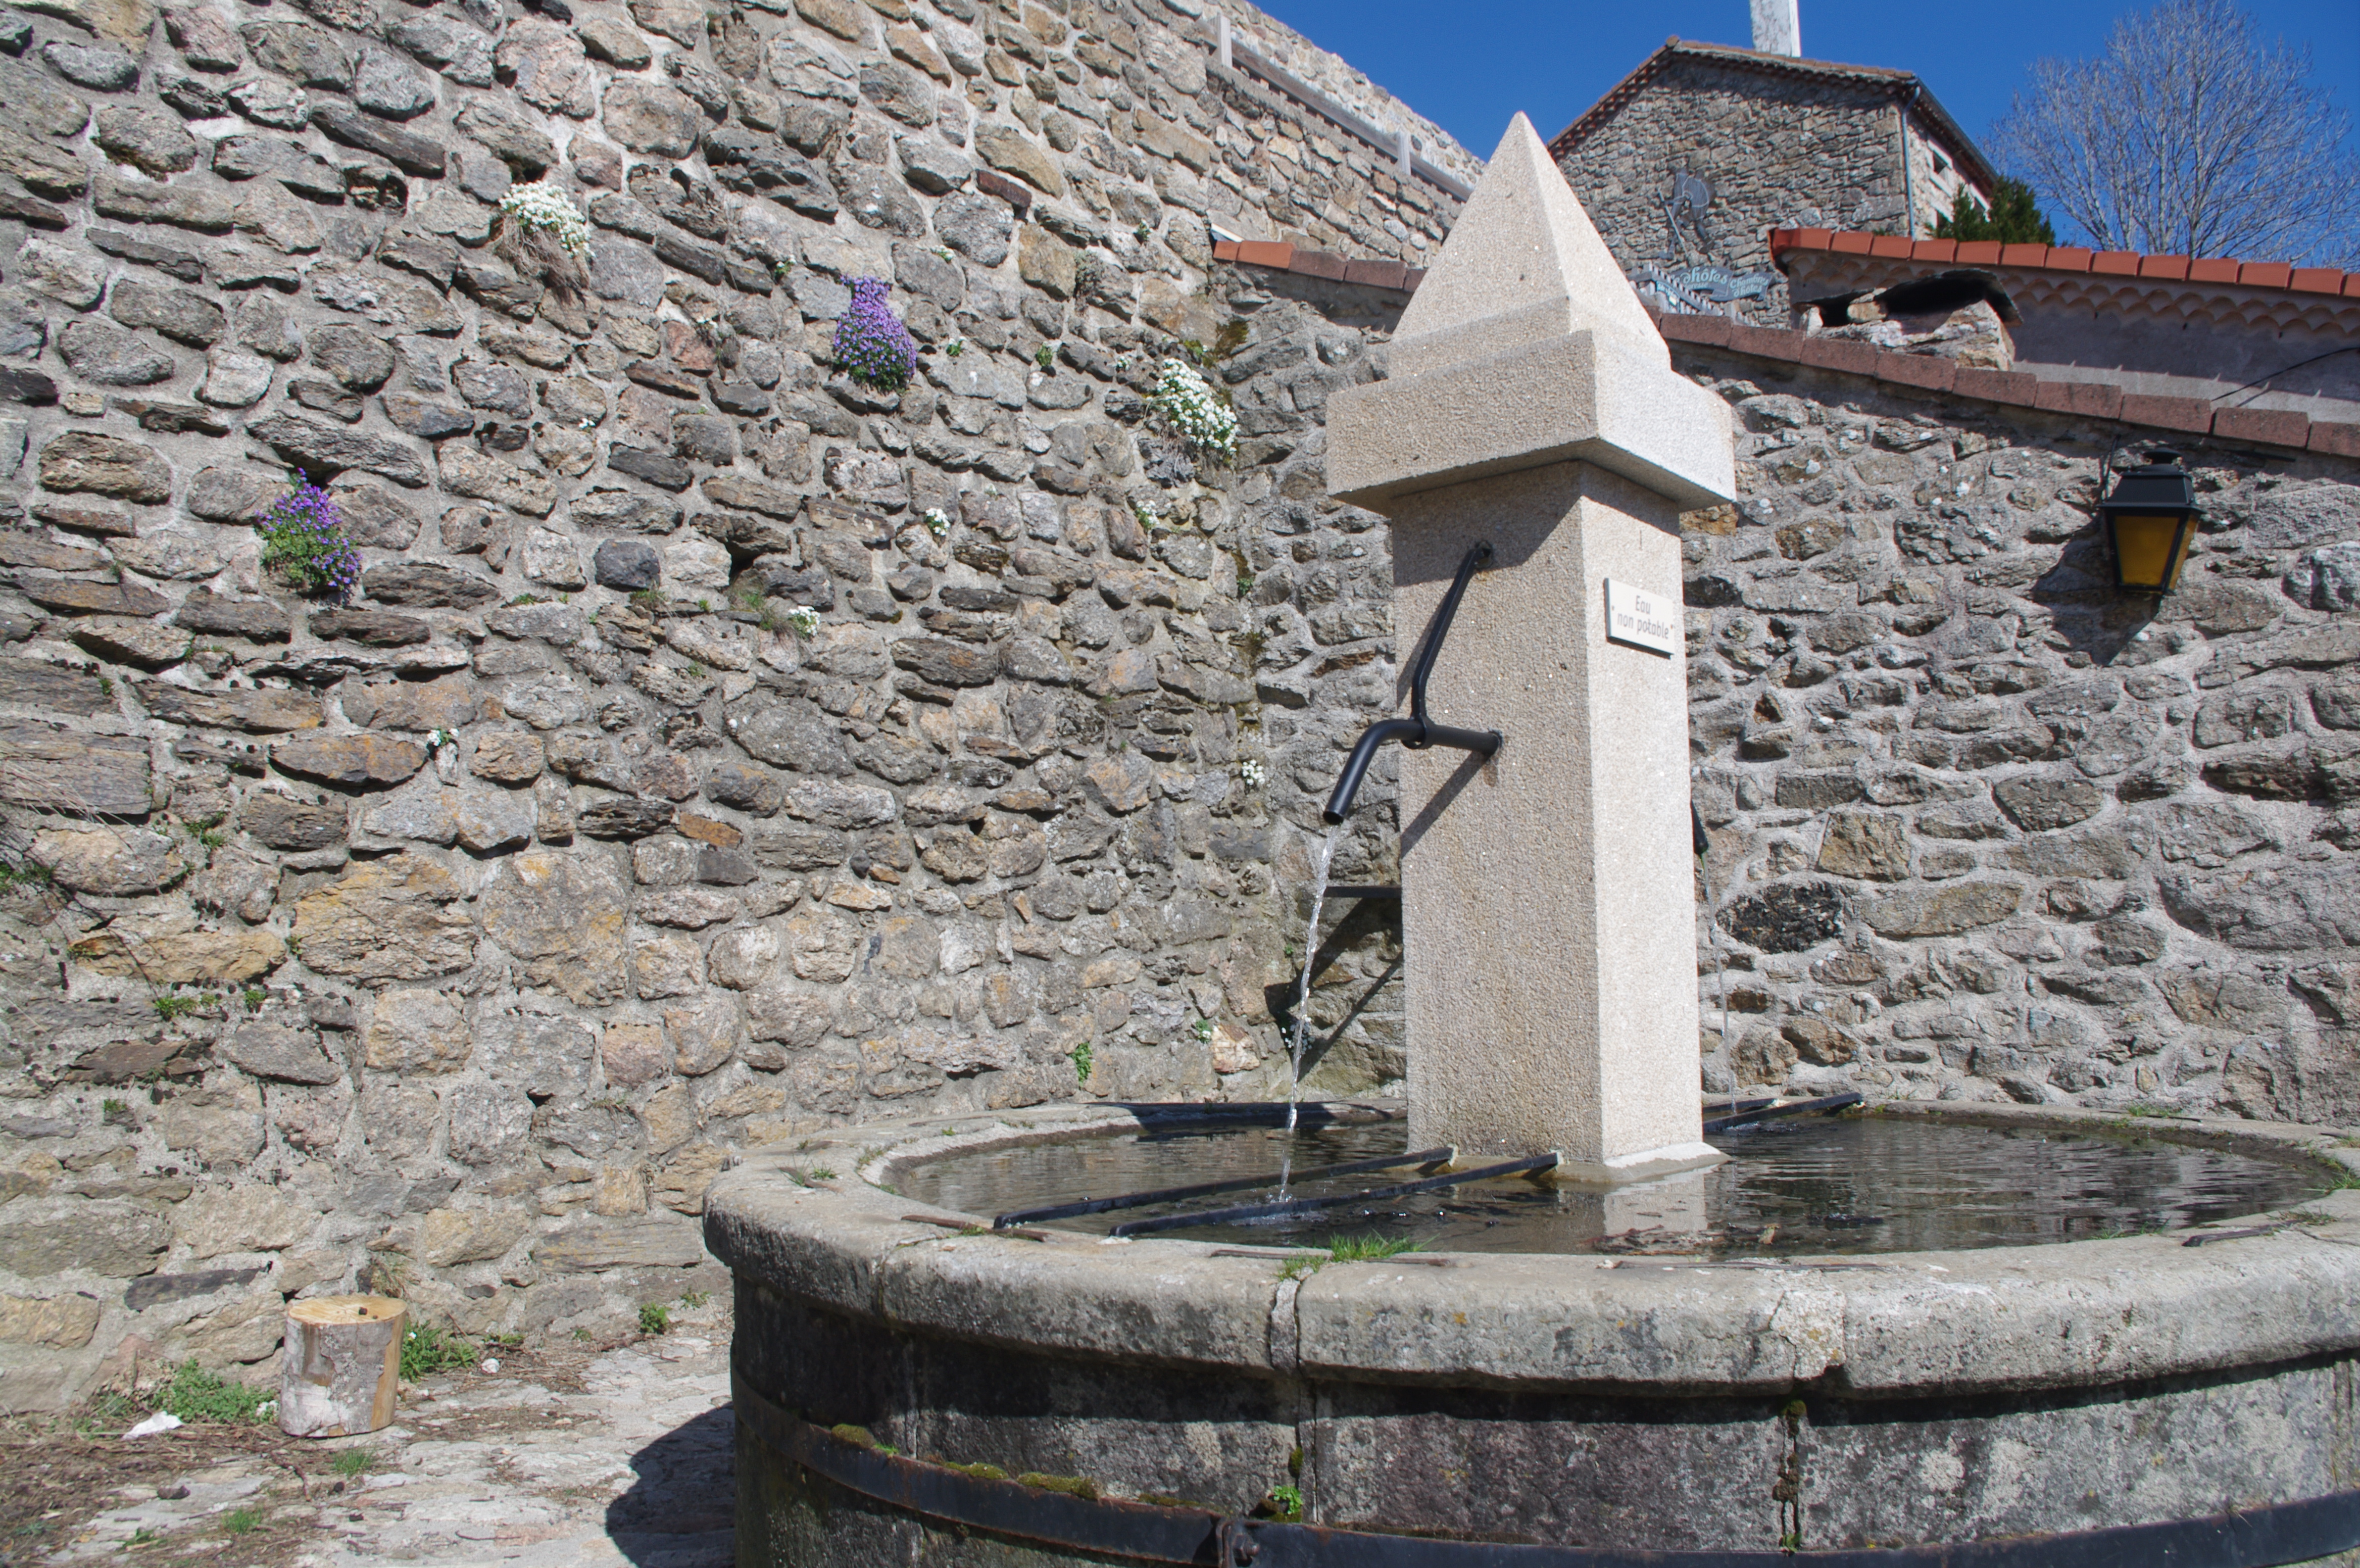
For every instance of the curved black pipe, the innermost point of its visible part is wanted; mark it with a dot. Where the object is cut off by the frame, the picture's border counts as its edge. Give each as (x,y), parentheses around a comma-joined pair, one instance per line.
(1416,732)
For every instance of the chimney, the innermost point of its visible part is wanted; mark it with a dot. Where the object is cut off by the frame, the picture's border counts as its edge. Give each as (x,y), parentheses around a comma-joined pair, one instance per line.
(1778,28)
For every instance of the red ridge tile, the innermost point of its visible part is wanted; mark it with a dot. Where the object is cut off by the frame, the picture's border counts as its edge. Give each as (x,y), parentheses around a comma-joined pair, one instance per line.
(1266,253)
(2213,269)
(1890,245)
(1998,386)
(1224,250)
(1848,354)
(2168,267)
(2266,274)
(2278,427)
(1781,239)
(1813,239)
(1411,277)
(1930,371)
(2318,280)
(1375,273)
(1765,343)
(2335,440)
(2069,259)
(1978,253)
(2023,256)
(2191,415)
(1317,264)
(2116,263)
(1937,250)
(2352,285)
(1710,330)
(1851,244)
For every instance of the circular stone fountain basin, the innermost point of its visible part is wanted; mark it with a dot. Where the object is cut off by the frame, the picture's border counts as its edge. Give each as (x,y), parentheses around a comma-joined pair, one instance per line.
(1724,1400)
(1792,1187)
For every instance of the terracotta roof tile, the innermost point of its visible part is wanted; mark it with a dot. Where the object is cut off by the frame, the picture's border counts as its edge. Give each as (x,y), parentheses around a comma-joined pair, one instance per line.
(1930,371)
(2335,440)
(2071,258)
(1846,353)
(1317,264)
(1224,250)
(2278,427)
(1999,386)
(1266,253)
(2191,414)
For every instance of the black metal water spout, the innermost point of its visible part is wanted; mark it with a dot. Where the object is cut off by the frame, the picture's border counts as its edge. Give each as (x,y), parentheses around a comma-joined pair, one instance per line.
(1416,732)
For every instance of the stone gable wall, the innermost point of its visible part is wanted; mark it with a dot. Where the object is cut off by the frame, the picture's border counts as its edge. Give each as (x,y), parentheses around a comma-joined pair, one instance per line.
(452,940)
(1770,146)
(1982,829)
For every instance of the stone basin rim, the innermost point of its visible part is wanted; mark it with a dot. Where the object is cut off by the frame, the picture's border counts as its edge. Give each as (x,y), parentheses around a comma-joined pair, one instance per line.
(2075,1315)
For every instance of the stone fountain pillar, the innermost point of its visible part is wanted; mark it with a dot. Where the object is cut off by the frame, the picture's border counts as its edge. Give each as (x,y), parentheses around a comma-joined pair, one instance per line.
(1547,905)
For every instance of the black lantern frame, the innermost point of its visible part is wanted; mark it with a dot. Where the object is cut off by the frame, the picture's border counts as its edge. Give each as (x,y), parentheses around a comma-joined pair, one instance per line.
(2149,522)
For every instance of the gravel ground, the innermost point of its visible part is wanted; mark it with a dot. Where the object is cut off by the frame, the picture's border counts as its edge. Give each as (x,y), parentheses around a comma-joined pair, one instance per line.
(584,1456)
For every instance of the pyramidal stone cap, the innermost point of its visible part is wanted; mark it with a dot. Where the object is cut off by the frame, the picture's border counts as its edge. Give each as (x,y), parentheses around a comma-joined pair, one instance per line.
(1527,345)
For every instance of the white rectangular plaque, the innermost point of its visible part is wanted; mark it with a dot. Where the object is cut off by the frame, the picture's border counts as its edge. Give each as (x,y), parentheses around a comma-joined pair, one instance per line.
(1641,618)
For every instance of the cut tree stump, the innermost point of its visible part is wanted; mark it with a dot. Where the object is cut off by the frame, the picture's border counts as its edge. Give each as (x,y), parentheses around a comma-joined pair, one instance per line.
(340,1365)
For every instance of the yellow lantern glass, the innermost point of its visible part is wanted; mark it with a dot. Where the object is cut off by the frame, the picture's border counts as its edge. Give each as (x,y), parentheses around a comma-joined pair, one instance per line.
(2149,550)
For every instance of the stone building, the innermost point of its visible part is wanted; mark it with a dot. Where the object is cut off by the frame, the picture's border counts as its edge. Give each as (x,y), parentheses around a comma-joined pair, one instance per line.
(1689,162)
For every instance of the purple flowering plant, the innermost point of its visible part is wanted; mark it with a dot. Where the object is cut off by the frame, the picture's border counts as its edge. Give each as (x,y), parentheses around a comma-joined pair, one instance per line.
(303,539)
(872,347)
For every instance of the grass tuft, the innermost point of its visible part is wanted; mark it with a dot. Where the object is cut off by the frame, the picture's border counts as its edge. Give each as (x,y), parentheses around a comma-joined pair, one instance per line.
(427,1349)
(1369,1249)
(655,1318)
(195,1394)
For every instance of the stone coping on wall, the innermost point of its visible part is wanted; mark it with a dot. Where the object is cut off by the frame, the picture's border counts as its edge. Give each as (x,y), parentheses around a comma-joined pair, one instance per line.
(2289,428)
(2285,275)
(1892,1325)
(1281,257)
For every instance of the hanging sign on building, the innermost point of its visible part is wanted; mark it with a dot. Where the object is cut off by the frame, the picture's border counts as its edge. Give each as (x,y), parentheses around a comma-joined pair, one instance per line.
(1641,618)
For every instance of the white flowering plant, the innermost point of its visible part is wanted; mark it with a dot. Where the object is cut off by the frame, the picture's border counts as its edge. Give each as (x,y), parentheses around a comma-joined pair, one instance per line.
(803,620)
(1194,411)
(938,523)
(1250,772)
(438,738)
(543,206)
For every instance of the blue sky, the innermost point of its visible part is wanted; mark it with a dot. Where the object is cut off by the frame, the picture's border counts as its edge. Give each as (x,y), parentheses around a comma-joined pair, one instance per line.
(1471,64)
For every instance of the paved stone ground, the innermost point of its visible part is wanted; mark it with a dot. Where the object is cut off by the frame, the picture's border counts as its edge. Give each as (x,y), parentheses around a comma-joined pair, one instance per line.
(584,1456)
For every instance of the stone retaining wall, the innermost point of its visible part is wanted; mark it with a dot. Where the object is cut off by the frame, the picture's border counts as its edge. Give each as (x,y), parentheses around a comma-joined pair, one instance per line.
(1982,828)
(451,941)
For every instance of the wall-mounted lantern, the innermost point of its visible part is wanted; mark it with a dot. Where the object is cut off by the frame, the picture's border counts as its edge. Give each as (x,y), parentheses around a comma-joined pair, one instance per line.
(2149,522)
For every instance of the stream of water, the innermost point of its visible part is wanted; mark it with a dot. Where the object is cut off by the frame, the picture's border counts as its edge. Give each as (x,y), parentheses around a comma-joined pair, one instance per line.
(1326,852)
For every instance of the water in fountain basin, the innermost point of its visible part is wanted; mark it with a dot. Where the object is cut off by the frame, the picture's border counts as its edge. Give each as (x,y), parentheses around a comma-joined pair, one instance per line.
(1799,1187)
(1327,853)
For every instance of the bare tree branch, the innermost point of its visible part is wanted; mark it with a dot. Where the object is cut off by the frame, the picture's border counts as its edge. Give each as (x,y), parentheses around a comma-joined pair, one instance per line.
(2190,136)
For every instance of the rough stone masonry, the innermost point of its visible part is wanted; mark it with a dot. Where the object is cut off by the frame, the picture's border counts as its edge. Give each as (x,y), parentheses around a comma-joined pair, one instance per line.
(449,941)
(296,999)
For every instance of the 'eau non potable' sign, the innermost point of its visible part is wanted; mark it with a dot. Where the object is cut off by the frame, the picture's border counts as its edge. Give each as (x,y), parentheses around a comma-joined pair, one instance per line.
(1641,618)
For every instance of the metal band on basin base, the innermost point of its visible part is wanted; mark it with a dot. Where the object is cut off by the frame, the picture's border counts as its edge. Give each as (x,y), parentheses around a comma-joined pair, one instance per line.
(1038,1517)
